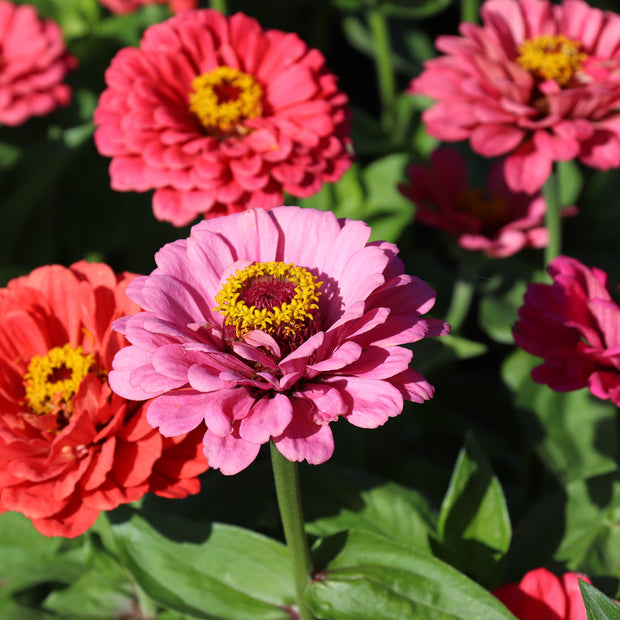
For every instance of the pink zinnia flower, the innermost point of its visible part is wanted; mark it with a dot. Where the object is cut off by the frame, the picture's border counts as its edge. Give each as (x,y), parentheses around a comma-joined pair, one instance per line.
(33,65)
(494,219)
(574,324)
(537,82)
(69,447)
(271,325)
(218,115)
(122,7)
(541,595)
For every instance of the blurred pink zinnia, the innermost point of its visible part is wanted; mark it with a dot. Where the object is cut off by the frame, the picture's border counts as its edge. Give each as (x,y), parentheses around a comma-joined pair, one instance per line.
(270,325)
(537,82)
(218,115)
(541,595)
(574,324)
(33,65)
(128,6)
(494,220)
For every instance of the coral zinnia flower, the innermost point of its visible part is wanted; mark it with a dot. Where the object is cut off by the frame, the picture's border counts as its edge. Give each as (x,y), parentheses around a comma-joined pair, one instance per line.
(542,596)
(494,220)
(218,116)
(573,324)
(69,447)
(33,64)
(538,82)
(122,7)
(271,325)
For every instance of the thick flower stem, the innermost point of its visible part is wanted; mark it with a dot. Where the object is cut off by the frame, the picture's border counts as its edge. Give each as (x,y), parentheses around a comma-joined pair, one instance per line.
(383,62)
(462,294)
(553,218)
(469,11)
(219,5)
(289,501)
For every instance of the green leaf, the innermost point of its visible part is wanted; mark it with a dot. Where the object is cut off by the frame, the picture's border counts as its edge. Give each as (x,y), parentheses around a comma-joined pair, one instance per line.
(598,606)
(222,572)
(576,434)
(474,527)
(369,577)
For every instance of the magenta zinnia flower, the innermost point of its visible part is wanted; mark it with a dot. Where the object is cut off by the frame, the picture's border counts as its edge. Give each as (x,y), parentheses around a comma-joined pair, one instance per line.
(574,324)
(537,82)
(33,65)
(271,325)
(218,115)
(128,6)
(494,219)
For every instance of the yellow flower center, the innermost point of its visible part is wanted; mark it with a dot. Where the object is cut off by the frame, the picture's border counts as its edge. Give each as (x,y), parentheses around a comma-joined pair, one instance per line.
(224,98)
(490,209)
(273,297)
(550,57)
(52,380)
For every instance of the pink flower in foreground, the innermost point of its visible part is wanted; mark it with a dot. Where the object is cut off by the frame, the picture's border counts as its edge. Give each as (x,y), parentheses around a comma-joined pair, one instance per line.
(128,6)
(537,82)
(69,447)
(573,324)
(270,325)
(218,115)
(494,220)
(33,65)
(542,596)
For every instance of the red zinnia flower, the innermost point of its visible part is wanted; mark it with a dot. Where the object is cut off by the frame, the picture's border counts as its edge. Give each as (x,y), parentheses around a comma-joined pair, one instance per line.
(542,596)
(69,447)
(218,115)
(574,324)
(537,82)
(494,220)
(128,6)
(33,64)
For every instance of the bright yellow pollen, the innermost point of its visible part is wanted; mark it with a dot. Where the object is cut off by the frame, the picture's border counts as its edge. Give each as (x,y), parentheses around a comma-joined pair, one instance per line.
(491,209)
(286,319)
(53,380)
(225,97)
(552,57)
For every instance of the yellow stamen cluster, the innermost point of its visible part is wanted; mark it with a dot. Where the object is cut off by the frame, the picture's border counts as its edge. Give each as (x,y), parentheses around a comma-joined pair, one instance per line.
(225,97)
(52,380)
(552,57)
(491,209)
(285,319)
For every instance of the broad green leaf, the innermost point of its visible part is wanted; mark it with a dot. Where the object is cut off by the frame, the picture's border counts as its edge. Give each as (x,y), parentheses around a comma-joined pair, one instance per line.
(222,572)
(598,606)
(365,576)
(473,526)
(413,9)
(575,433)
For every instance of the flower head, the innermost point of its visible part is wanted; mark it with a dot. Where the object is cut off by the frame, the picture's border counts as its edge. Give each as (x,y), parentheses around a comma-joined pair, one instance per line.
(541,595)
(218,115)
(271,325)
(33,65)
(573,324)
(69,447)
(121,7)
(494,219)
(537,82)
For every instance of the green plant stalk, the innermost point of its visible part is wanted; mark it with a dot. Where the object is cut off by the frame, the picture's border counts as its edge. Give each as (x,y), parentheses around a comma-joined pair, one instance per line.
(383,63)
(553,217)
(219,5)
(286,478)
(469,11)
(462,294)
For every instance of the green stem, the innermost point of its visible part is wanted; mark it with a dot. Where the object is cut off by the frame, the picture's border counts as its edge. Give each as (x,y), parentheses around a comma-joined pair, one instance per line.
(469,11)
(462,294)
(219,5)
(553,218)
(286,478)
(383,63)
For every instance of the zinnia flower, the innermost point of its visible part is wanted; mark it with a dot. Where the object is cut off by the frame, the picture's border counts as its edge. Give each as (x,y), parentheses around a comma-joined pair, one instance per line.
(33,64)
(271,325)
(542,596)
(69,447)
(494,219)
(122,7)
(537,82)
(574,324)
(218,116)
